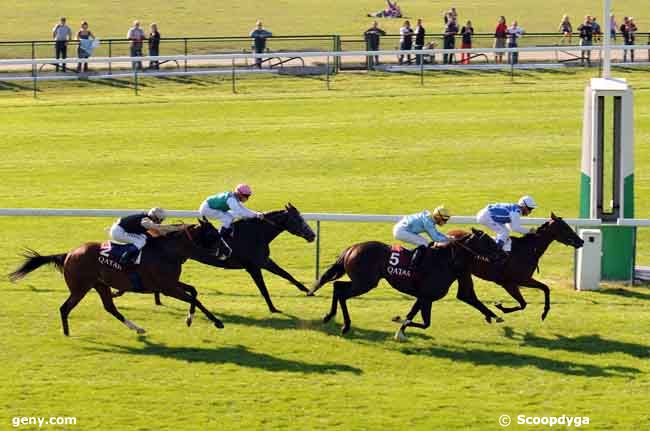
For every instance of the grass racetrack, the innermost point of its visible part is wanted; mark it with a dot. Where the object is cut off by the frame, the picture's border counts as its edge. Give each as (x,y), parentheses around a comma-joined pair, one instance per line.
(373,144)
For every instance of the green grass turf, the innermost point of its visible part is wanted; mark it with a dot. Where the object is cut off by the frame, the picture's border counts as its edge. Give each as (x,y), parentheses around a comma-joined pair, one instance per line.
(373,144)
(35,19)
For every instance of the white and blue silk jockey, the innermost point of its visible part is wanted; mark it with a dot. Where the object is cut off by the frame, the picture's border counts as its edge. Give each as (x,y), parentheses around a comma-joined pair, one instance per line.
(227,207)
(409,228)
(503,218)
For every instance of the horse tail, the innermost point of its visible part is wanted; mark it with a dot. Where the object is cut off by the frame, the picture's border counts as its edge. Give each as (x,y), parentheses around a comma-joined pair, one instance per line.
(334,272)
(33,261)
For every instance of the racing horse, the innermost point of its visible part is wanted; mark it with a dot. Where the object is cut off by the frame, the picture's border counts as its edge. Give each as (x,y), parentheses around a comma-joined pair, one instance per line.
(368,262)
(85,268)
(518,269)
(250,247)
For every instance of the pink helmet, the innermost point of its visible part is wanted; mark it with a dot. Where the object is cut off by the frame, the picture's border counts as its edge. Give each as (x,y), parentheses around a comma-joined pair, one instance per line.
(243,189)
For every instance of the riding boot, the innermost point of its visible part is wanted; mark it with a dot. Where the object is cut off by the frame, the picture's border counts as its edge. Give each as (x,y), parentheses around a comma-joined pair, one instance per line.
(129,256)
(136,281)
(416,257)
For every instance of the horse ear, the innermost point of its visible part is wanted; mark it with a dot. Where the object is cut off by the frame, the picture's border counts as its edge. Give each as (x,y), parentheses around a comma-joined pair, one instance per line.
(553,216)
(474,231)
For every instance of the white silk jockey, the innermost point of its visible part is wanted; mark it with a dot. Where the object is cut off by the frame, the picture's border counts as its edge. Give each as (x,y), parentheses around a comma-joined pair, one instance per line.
(227,206)
(503,218)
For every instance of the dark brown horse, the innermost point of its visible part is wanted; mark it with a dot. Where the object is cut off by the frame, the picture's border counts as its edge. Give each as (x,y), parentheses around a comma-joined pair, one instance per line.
(159,270)
(523,260)
(368,262)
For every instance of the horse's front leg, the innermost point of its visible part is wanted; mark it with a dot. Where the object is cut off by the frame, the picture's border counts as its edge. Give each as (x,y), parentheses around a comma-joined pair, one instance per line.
(544,288)
(514,291)
(467,294)
(192,291)
(274,268)
(424,306)
(256,273)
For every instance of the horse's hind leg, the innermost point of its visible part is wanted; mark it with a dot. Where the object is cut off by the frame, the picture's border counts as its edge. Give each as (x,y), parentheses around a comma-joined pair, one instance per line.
(77,292)
(350,289)
(107,299)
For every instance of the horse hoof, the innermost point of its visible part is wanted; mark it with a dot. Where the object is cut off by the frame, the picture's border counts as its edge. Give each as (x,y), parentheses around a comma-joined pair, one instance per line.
(397,319)
(275,310)
(400,336)
(544,314)
(499,320)
(188,321)
(140,331)
(327,318)
(303,289)
(310,293)
(345,329)
(218,324)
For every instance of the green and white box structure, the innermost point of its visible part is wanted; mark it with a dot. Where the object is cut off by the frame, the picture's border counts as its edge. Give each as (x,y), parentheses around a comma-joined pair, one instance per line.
(607,177)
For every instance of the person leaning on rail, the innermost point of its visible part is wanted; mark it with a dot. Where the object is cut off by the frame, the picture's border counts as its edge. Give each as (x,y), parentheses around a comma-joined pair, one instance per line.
(409,228)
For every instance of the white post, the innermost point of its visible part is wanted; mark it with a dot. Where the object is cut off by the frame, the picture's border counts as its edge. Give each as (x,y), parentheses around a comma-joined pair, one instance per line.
(606,38)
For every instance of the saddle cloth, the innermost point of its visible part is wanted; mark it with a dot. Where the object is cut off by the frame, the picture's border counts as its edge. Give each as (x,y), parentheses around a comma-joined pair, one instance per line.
(110,253)
(399,262)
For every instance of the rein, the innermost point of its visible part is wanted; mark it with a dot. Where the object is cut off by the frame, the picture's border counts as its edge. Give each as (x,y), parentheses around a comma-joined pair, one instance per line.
(472,252)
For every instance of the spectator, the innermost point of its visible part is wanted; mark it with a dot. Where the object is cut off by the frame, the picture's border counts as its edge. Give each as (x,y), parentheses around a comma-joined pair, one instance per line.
(449,40)
(466,32)
(597,32)
(500,35)
(406,41)
(136,36)
(514,32)
(451,14)
(566,29)
(86,45)
(372,36)
(612,26)
(259,35)
(628,28)
(392,11)
(61,34)
(154,45)
(420,32)
(586,39)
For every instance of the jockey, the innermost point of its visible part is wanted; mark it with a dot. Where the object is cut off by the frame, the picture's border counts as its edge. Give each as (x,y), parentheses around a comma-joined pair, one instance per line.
(504,218)
(227,206)
(409,228)
(132,229)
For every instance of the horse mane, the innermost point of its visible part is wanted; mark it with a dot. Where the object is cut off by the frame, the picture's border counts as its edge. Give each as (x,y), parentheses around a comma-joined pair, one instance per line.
(458,234)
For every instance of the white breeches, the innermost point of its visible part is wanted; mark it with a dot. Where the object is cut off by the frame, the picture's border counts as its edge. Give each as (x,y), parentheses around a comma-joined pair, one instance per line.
(403,235)
(223,216)
(503,233)
(120,235)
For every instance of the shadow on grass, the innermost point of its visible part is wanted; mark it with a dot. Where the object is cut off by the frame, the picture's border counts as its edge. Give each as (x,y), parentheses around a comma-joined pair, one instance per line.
(591,344)
(518,360)
(237,355)
(626,293)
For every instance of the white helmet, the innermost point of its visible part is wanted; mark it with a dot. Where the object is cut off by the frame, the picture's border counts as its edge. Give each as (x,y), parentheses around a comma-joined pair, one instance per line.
(157,213)
(528,202)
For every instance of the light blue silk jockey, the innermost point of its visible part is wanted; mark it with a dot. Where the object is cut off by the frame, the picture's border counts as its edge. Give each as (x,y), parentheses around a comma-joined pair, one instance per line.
(410,226)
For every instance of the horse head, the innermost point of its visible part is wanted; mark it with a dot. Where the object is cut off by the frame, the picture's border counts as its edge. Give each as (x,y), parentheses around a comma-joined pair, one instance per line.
(293,222)
(561,231)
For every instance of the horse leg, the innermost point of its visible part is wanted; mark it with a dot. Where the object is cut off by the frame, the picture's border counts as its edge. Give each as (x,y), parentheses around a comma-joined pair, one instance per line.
(424,306)
(256,274)
(274,268)
(467,294)
(77,292)
(544,288)
(514,291)
(347,290)
(107,299)
(192,291)
(411,314)
(178,291)
(335,302)
(156,296)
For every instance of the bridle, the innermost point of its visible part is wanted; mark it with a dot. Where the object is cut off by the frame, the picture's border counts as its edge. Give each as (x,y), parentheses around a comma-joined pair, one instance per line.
(468,249)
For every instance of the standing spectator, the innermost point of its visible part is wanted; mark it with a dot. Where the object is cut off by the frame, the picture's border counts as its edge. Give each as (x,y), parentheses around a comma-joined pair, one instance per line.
(451,14)
(514,33)
(154,45)
(406,41)
(420,32)
(500,35)
(586,39)
(259,35)
(597,32)
(628,28)
(566,29)
(136,36)
(86,39)
(372,36)
(61,34)
(466,32)
(449,40)
(612,26)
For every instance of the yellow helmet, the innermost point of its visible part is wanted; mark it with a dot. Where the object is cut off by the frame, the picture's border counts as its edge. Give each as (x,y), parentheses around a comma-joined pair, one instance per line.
(441,214)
